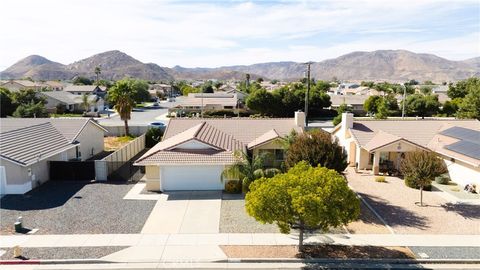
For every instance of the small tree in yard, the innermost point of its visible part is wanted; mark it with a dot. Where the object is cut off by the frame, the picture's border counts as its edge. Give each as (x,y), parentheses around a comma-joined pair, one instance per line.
(304,198)
(317,148)
(247,169)
(85,102)
(421,168)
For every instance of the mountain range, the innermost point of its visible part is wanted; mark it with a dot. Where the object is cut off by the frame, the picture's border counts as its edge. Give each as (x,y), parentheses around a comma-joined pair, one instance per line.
(389,65)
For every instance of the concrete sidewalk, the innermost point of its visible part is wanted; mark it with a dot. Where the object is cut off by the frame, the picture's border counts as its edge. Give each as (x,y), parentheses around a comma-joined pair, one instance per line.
(86,240)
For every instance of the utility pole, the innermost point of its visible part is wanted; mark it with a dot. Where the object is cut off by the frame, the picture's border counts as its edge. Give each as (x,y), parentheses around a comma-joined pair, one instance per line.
(307,94)
(403,103)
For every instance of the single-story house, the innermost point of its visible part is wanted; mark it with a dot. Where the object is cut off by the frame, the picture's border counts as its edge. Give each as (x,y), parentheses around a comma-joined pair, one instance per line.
(354,102)
(86,89)
(195,102)
(16,85)
(53,85)
(73,103)
(28,144)
(376,144)
(194,152)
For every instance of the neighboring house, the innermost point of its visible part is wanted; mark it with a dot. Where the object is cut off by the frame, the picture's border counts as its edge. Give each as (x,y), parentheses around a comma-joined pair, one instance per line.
(53,85)
(28,144)
(194,152)
(73,103)
(354,102)
(16,85)
(86,89)
(373,144)
(240,95)
(195,102)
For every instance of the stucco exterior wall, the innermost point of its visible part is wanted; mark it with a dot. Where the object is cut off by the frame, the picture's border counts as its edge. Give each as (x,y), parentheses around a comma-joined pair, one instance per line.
(20,179)
(91,141)
(152,175)
(463,173)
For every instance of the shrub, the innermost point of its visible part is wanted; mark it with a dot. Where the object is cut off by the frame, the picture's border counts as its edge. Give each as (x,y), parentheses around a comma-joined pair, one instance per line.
(153,136)
(409,182)
(380,179)
(233,186)
(442,179)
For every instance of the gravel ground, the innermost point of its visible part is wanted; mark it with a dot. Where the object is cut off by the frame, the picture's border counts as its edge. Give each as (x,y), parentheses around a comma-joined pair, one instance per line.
(367,223)
(447,252)
(395,202)
(63,253)
(76,208)
(234,218)
(320,251)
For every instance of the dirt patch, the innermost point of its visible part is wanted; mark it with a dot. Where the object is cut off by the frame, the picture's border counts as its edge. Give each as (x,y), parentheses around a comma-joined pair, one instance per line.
(115,143)
(322,251)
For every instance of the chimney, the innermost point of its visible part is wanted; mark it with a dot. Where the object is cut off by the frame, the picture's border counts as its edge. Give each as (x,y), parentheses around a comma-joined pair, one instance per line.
(300,119)
(347,122)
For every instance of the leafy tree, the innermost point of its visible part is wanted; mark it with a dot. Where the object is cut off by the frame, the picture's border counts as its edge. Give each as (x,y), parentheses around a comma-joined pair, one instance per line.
(421,167)
(262,101)
(341,109)
(368,84)
(27,96)
(382,109)
(322,86)
(371,104)
(462,88)
(274,81)
(7,106)
(207,87)
(248,169)
(79,80)
(122,94)
(413,82)
(428,82)
(187,89)
(153,136)
(259,80)
(304,198)
(470,105)
(420,105)
(29,110)
(426,90)
(450,107)
(317,148)
(217,85)
(140,88)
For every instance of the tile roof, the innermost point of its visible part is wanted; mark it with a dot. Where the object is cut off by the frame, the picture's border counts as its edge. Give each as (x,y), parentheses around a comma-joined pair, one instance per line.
(62,96)
(82,88)
(28,144)
(171,148)
(380,139)
(68,127)
(348,99)
(192,156)
(265,138)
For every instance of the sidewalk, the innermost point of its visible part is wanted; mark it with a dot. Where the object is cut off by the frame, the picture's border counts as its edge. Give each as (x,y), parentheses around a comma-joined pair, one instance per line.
(85,240)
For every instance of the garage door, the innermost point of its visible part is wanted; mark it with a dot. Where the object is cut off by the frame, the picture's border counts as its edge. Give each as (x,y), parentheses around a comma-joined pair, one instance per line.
(191,178)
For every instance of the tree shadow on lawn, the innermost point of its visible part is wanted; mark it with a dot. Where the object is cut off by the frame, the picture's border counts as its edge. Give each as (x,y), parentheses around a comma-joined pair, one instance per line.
(49,195)
(395,215)
(468,211)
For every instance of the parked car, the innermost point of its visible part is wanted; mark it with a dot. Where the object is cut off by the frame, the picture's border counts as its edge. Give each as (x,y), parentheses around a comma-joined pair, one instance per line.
(156,125)
(155,104)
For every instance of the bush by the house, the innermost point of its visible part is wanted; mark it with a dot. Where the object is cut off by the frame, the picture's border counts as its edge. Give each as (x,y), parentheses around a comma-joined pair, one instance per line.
(409,182)
(442,179)
(380,179)
(153,136)
(233,186)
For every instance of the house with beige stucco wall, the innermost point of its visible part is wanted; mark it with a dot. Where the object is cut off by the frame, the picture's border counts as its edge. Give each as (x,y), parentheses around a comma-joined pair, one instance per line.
(194,152)
(27,145)
(380,145)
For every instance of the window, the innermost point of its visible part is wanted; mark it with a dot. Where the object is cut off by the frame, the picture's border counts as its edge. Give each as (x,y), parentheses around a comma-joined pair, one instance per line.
(370,159)
(279,154)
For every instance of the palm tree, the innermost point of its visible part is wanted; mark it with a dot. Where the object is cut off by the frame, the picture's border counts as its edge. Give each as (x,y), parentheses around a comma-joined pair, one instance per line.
(85,102)
(121,94)
(248,169)
(98,70)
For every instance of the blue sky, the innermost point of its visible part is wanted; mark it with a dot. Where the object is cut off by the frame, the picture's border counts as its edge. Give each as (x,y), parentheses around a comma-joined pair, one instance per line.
(217,33)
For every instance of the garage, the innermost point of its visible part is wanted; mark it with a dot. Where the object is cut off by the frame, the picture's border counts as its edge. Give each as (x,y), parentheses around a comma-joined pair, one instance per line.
(201,177)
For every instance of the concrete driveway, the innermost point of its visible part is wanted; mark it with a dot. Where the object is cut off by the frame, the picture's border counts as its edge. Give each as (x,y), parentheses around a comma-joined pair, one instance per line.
(185,212)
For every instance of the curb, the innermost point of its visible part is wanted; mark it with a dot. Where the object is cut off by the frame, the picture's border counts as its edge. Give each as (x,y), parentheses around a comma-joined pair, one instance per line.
(351,260)
(59,261)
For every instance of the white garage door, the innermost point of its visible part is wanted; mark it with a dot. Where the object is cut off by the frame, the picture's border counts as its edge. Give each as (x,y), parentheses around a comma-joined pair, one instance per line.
(191,178)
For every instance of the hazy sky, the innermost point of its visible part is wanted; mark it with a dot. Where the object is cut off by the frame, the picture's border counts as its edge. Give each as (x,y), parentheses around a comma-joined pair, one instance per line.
(216,33)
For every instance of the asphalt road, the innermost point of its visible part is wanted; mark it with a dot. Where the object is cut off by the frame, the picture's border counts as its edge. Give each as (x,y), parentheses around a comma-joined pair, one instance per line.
(140,118)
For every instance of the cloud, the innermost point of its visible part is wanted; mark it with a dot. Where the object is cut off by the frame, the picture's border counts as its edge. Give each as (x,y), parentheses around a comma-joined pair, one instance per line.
(215,33)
